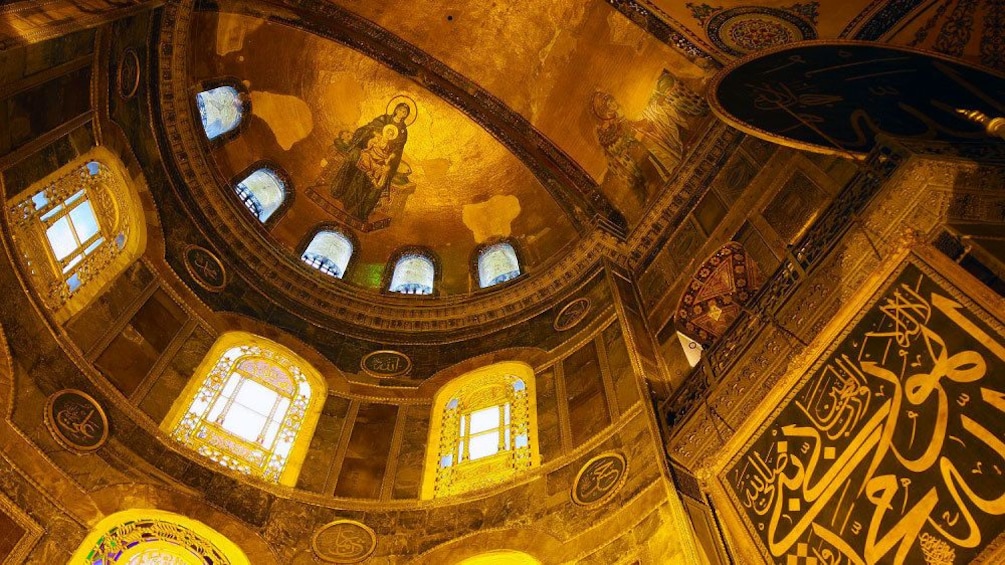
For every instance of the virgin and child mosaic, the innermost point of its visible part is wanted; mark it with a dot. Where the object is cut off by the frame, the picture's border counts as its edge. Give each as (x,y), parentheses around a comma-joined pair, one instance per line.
(365,165)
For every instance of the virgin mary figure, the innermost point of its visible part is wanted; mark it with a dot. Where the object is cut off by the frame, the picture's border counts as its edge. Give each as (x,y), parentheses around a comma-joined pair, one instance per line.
(372,156)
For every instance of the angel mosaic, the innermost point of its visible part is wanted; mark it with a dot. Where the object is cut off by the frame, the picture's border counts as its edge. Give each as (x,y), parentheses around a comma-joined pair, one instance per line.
(644,153)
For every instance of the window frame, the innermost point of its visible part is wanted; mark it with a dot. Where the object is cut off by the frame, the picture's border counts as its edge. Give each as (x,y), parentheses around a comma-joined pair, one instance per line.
(289,192)
(329,227)
(447,472)
(242,126)
(118,211)
(190,415)
(389,267)
(480,249)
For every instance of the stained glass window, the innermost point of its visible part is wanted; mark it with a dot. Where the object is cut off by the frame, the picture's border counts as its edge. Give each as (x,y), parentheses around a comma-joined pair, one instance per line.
(413,274)
(484,430)
(497,264)
(262,191)
(155,537)
(221,110)
(78,229)
(251,404)
(329,252)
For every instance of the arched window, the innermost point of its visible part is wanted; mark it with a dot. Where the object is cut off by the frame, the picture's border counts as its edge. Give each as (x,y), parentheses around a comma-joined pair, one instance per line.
(497,263)
(483,430)
(251,406)
(329,252)
(501,557)
(414,273)
(155,537)
(221,110)
(78,229)
(263,192)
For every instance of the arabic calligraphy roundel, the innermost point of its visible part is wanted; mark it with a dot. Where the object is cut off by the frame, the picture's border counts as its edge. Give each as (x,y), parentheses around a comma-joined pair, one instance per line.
(599,479)
(344,541)
(205,268)
(76,420)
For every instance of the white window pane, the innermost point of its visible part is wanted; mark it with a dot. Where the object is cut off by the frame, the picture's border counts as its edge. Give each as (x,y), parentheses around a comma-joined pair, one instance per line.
(497,264)
(221,110)
(61,238)
(84,221)
(522,441)
(256,397)
(217,410)
(484,420)
(281,408)
(329,252)
(232,383)
(413,274)
(96,244)
(243,423)
(483,446)
(506,415)
(270,433)
(73,262)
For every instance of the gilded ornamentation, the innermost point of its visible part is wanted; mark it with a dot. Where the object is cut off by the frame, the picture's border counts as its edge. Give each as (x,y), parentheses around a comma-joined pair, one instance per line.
(76,420)
(344,541)
(240,369)
(70,279)
(742,30)
(572,314)
(599,479)
(483,430)
(205,268)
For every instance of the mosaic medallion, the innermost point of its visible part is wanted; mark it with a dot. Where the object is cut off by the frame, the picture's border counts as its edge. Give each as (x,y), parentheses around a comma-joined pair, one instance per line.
(386,363)
(743,30)
(344,541)
(205,268)
(599,479)
(76,421)
(572,314)
(127,77)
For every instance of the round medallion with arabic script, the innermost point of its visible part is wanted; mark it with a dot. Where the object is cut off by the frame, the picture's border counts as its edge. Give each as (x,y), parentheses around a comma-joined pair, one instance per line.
(599,479)
(127,77)
(76,420)
(572,314)
(344,541)
(205,268)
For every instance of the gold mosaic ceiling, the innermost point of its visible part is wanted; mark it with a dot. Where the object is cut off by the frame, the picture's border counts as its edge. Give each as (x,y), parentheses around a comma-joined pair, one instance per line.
(559,65)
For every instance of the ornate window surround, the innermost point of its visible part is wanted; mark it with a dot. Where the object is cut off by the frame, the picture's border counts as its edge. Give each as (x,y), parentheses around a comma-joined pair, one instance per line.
(120,537)
(118,210)
(488,386)
(187,422)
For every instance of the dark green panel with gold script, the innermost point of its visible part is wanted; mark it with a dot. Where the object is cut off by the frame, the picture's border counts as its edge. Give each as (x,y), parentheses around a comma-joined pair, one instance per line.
(889,450)
(836,97)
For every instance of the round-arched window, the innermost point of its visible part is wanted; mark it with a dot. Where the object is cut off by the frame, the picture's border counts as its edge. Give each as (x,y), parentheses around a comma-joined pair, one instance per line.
(414,273)
(262,191)
(497,264)
(221,110)
(329,252)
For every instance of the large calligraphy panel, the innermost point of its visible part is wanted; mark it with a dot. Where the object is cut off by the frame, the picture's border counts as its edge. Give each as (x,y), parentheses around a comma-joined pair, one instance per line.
(838,96)
(889,450)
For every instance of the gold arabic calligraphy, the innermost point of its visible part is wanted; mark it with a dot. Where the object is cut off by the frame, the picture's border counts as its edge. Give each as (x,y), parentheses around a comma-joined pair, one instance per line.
(891,451)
